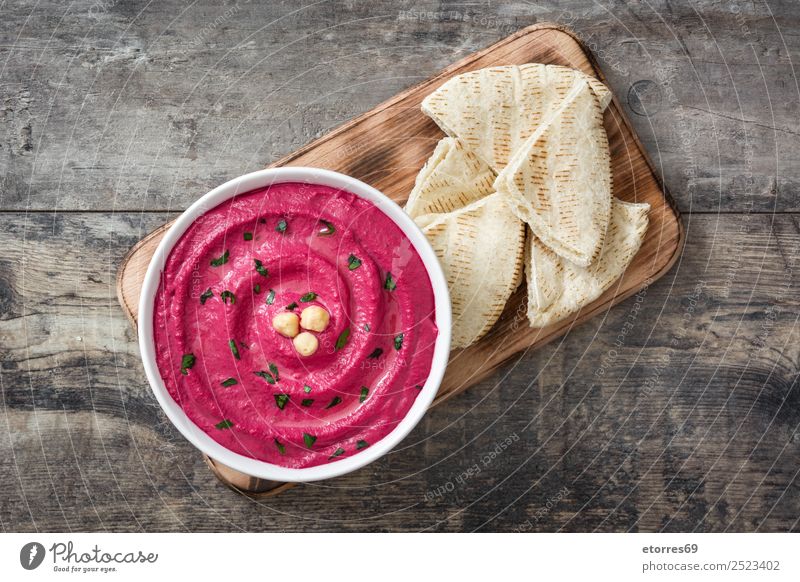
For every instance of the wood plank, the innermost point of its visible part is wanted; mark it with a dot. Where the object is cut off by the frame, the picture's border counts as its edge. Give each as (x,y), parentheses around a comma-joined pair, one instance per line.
(675,410)
(387,146)
(156,116)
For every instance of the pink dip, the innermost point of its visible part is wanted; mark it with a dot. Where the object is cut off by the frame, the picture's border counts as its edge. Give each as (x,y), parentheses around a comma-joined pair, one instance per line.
(270,403)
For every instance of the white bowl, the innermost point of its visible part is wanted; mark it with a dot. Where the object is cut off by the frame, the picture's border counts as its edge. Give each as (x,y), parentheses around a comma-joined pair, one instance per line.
(203,441)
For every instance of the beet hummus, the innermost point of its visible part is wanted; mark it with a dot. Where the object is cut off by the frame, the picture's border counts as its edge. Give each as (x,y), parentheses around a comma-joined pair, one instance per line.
(295,324)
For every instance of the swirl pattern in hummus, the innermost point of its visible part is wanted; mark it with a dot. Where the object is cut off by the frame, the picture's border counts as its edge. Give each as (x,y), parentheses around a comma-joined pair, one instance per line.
(281,249)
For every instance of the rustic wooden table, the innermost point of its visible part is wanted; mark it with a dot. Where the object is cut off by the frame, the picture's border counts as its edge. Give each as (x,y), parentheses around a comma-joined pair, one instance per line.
(677,410)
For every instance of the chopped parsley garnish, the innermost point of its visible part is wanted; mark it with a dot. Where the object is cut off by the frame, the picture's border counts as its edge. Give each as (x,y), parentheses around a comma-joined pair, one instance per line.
(225,295)
(187,361)
(281,448)
(309,440)
(390,283)
(361,445)
(398,341)
(336,453)
(224,424)
(221,260)
(336,400)
(230,382)
(341,341)
(292,306)
(353,262)
(274,369)
(260,268)
(248,236)
(266,375)
(282,225)
(207,294)
(327,229)
(281,400)
(364,394)
(307,389)
(271,297)
(366,327)
(234,349)
(375,354)
(256,288)
(310,296)
(306,402)
(418,387)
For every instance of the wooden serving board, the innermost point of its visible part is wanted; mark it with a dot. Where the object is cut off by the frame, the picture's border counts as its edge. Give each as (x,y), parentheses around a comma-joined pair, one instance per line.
(387,146)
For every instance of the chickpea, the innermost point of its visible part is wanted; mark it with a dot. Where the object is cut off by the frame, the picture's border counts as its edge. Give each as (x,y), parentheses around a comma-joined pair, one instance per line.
(286,324)
(314,318)
(306,344)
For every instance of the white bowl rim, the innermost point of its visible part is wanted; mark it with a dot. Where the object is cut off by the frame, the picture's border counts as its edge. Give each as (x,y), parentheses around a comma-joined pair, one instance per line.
(260,179)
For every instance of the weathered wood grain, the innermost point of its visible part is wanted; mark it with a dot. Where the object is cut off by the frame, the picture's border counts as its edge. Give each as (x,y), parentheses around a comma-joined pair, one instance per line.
(119,105)
(677,409)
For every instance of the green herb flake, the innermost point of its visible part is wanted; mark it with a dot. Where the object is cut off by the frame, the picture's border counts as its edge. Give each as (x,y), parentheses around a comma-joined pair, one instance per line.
(309,440)
(282,226)
(418,387)
(375,354)
(364,394)
(310,296)
(390,283)
(248,236)
(307,389)
(341,341)
(234,349)
(366,327)
(274,369)
(267,376)
(361,445)
(398,341)
(271,297)
(221,260)
(327,229)
(281,448)
(226,295)
(353,262)
(307,402)
(336,400)
(187,361)
(224,424)
(207,294)
(229,382)
(260,268)
(292,306)
(256,288)
(281,400)
(336,453)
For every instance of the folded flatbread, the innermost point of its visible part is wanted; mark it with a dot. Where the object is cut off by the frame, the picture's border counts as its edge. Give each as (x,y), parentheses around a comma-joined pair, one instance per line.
(559,180)
(451,178)
(494,110)
(481,248)
(558,288)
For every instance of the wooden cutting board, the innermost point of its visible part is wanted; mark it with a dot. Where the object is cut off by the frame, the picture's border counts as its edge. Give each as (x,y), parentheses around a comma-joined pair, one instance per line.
(388,145)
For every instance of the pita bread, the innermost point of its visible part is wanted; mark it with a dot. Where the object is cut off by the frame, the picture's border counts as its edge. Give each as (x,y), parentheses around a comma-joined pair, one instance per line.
(494,110)
(559,181)
(481,248)
(452,178)
(558,288)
